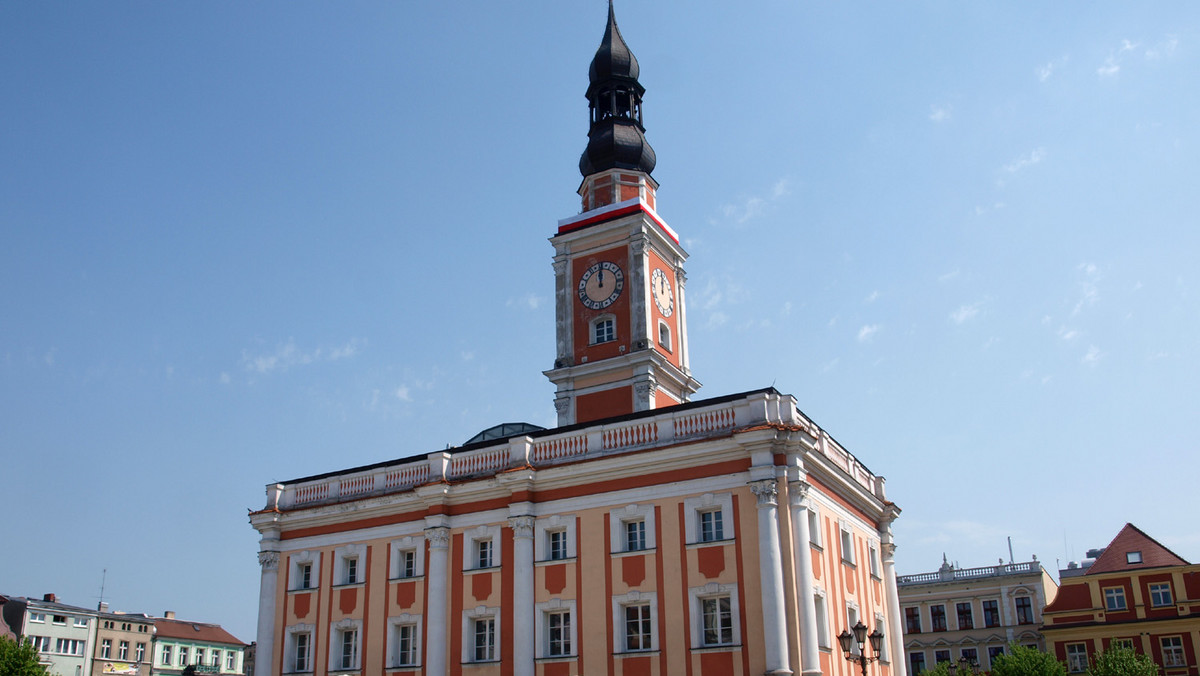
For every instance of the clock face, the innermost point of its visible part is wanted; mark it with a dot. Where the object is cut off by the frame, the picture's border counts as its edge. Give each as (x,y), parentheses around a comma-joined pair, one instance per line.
(660,286)
(601,285)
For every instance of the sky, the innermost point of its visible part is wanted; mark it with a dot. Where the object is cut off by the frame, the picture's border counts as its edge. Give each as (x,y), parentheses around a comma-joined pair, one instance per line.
(243,243)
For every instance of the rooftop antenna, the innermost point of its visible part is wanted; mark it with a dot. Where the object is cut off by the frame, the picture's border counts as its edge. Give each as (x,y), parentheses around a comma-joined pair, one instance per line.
(103,578)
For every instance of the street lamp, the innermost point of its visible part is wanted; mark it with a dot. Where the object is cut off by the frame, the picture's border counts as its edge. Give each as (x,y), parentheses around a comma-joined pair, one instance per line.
(860,638)
(968,667)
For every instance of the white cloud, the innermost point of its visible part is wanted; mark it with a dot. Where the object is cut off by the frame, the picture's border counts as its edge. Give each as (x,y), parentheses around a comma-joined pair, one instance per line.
(1089,291)
(830,365)
(965,313)
(1027,160)
(947,276)
(530,301)
(1093,356)
(225,379)
(716,319)
(1163,48)
(467,355)
(1067,334)
(753,206)
(939,114)
(1044,72)
(782,187)
(1112,64)
(867,331)
(402,393)
(48,358)
(874,295)
(288,355)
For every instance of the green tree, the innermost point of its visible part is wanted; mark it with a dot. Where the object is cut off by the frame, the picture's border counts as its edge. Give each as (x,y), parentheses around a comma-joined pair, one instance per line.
(19,659)
(942,669)
(1122,662)
(1022,661)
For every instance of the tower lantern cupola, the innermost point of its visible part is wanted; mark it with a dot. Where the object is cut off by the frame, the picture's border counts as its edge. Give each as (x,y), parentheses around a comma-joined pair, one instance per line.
(616,138)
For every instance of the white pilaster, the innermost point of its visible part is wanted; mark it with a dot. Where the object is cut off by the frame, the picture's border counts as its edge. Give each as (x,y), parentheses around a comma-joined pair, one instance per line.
(770,567)
(523,609)
(895,637)
(810,656)
(268,558)
(436,642)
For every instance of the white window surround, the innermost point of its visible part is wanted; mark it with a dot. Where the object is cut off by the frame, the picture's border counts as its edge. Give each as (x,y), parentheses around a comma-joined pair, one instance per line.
(617,519)
(847,542)
(296,560)
(692,508)
(345,553)
(337,631)
(881,625)
(407,544)
(664,335)
(814,527)
(822,606)
(593,327)
(468,632)
(491,534)
(696,596)
(393,645)
(542,637)
(634,598)
(873,557)
(541,539)
(289,648)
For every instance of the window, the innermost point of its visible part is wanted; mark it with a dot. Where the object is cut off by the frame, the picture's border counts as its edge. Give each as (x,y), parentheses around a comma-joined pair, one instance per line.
(822,621)
(68,646)
(1160,594)
(300,652)
(558,640)
(39,618)
(408,563)
(852,620)
(637,627)
(81,622)
(873,555)
(183,655)
(814,527)
(40,643)
(557,542)
(123,650)
(604,330)
(406,645)
(1126,643)
(937,617)
(970,655)
(717,617)
(348,658)
(484,641)
(230,661)
(199,655)
(881,625)
(140,654)
(916,662)
(635,535)
(966,619)
(1114,598)
(1077,660)
(166,655)
(1024,610)
(994,652)
(712,526)
(305,570)
(664,335)
(483,553)
(59,619)
(351,568)
(847,544)
(940,656)
(1172,651)
(1133,557)
(912,621)
(105,649)
(216,659)
(991,613)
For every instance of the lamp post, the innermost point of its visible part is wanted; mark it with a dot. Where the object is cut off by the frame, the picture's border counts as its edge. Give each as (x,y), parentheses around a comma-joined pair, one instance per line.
(968,667)
(860,638)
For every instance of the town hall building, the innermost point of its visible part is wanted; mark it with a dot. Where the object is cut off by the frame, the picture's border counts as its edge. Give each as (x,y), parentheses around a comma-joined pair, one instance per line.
(649,533)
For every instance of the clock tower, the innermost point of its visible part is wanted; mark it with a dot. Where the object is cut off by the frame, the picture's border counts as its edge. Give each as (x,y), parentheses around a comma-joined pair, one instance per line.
(618,267)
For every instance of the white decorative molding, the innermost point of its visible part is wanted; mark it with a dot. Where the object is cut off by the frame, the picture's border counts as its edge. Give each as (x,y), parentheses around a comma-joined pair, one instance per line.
(767,492)
(268,560)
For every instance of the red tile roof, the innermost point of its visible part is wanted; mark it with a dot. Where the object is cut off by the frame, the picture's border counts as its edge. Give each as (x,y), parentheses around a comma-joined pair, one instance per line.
(1132,539)
(194,631)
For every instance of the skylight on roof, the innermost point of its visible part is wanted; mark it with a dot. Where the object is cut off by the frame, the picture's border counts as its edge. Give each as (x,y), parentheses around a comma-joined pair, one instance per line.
(1133,557)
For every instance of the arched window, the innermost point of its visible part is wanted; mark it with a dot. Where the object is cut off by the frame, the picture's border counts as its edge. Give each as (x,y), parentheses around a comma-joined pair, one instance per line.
(664,335)
(604,329)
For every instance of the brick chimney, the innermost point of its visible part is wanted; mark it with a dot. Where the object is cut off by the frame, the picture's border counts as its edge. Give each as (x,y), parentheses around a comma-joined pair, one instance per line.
(169,614)
(103,607)
(50,598)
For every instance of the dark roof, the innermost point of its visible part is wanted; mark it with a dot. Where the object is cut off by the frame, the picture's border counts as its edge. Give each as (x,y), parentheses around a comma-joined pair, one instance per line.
(613,59)
(504,431)
(1132,539)
(194,631)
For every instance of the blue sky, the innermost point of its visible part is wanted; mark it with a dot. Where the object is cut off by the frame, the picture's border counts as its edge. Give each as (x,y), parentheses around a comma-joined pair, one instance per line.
(248,242)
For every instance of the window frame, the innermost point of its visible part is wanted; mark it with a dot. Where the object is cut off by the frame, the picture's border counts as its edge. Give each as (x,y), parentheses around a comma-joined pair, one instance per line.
(934,625)
(620,605)
(106,649)
(708,502)
(719,608)
(606,323)
(1173,656)
(912,615)
(400,647)
(471,618)
(701,611)
(1160,595)
(991,616)
(617,523)
(123,651)
(664,336)
(1077,657)
(296,570)
(1114,599)
(1024,612)
(559,632)
(970,615)
(473,540)
(401,551)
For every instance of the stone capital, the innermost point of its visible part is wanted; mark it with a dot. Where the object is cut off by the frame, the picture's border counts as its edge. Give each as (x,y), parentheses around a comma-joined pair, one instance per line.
(798,493)
(522,527)
(438,537)
(268,560)
(767,492)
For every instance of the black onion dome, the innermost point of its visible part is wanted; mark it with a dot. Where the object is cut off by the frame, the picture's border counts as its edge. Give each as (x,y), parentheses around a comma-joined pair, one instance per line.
(616,139)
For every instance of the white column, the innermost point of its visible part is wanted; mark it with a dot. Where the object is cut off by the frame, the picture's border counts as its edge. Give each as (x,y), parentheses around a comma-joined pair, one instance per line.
(895,637)
(436,572)
(523,608)
(810,657)
(267,590)
(770,568)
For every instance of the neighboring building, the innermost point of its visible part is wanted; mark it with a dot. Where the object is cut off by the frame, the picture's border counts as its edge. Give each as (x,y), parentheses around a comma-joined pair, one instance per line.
(208,647)
(63,635)
(972,613)
(1136,593)
(124,643)
(648,534)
